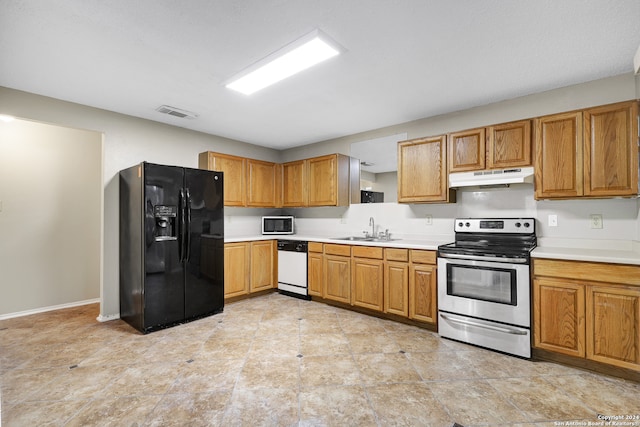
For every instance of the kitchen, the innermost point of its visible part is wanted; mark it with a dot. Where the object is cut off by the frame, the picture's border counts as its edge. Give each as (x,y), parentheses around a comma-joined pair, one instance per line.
(128,140)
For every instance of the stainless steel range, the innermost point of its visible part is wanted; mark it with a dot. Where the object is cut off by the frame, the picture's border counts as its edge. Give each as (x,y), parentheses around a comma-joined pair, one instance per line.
(484,290)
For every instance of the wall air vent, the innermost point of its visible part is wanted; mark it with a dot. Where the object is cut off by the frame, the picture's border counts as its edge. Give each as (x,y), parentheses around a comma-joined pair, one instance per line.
(176,112)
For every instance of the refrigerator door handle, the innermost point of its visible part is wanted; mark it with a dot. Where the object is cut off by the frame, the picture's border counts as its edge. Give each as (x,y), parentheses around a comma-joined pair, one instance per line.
(182,231)
(188,228)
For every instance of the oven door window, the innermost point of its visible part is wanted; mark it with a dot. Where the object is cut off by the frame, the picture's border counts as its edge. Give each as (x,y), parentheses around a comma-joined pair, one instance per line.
(482,283)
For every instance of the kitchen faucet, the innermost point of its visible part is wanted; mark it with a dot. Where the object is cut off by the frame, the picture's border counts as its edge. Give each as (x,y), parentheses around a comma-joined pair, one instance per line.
(372,223)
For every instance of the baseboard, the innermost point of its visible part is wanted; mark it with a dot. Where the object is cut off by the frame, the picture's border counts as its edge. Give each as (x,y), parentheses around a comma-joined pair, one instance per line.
(50,308)
(107,318)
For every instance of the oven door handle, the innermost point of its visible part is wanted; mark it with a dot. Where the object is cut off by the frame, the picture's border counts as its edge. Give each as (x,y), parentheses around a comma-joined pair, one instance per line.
(466,322)
(483,258)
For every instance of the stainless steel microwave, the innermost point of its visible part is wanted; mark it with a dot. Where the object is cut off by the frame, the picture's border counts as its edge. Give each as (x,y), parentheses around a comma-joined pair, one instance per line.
(277,225)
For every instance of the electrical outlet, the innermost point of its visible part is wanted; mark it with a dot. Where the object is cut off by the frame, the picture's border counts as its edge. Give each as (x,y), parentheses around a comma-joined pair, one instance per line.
(429,219)
(596,220)
(553,220)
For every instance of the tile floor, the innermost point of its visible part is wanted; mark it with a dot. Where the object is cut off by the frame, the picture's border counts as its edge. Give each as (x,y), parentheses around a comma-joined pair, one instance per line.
(280,361)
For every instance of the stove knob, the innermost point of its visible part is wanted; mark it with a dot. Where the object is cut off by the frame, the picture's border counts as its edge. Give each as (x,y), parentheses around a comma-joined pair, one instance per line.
(518,225)
(527,225)
(460,224)
(467,224)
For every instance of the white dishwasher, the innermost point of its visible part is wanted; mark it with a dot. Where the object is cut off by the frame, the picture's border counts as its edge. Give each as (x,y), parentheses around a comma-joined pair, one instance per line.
(292,268)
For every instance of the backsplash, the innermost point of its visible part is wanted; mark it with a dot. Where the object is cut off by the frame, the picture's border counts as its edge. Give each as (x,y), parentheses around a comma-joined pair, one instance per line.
(620,216)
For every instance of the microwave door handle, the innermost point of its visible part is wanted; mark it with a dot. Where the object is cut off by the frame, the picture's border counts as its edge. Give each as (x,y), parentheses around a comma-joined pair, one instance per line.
(467,322)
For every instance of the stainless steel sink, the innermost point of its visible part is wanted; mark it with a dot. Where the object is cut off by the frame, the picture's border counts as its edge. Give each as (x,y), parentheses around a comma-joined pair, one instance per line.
(363,239)
(354,238)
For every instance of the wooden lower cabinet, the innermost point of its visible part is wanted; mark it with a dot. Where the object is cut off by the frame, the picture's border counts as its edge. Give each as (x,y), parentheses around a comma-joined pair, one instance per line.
(236,269)
(396,282)
(613,325)
(249,267)
(588,310)
(559,308)
(337,278)
(315,269)
(263,265)
(367,282)
(423,293)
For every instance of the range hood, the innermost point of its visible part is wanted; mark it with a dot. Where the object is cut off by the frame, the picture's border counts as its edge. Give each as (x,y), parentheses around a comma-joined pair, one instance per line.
(491,178)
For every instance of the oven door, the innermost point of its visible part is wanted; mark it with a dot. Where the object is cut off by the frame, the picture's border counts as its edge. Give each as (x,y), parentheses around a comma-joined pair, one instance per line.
(496,291)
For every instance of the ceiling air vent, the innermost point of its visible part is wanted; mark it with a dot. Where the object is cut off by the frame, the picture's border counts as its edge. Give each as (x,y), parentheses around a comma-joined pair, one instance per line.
(176,112)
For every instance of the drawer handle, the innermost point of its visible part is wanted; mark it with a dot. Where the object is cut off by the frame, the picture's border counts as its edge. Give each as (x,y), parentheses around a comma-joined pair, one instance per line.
(466,322)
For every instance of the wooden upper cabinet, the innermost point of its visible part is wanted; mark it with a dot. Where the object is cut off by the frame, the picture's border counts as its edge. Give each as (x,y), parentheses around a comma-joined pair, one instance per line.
(467,150)
(422,171)
(509,145)
(261,183)
(233,168)
(328,180)
(294,184)
(611,150)
(558,162)
(588,153)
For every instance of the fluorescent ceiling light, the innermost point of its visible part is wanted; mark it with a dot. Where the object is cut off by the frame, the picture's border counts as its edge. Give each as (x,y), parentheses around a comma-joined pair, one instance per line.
(6,118)
(303,53)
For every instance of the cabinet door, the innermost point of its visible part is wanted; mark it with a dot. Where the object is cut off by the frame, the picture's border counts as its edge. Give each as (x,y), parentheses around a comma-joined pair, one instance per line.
(263,272)
(294,184)
(314,274)
(234,177)
(422,293)
(558,163)
(509,145)
(422,175)
(236,269)
(261,182)
(611,150)
(613,325)
(558,316)
(396,288)
(367,283)
(337,278)
(467,150)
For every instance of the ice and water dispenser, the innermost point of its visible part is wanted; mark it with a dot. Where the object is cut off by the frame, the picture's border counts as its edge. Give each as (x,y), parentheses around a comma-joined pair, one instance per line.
(166,222)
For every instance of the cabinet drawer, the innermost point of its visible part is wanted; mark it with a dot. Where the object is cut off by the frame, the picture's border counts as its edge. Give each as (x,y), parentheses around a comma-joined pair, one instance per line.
(423,257)
(588,271)
(397,254)
(367,252)
(315,247)
(331,249)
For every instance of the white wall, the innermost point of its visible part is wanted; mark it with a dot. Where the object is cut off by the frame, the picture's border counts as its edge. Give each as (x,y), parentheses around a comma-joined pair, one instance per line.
(50,217)
(127,141)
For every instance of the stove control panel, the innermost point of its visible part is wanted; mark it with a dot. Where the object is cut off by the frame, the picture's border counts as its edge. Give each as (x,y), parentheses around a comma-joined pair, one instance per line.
(495,225)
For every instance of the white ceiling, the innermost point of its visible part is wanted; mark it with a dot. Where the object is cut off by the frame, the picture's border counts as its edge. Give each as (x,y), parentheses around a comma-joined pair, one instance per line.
(404,59)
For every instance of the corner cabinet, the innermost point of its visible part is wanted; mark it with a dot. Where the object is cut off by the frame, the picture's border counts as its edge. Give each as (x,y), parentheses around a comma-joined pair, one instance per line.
(249,267)
(234,169)
(328,180)
(294,184)
(422,171)
(588,153)
(588,310)
(247,182)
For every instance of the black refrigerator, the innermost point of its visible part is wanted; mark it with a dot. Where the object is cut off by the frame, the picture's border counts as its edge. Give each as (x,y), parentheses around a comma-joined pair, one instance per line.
(171,245)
